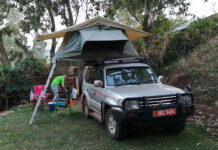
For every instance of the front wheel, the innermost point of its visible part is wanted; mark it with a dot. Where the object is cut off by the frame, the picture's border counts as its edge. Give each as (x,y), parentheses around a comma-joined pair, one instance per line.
(115,130)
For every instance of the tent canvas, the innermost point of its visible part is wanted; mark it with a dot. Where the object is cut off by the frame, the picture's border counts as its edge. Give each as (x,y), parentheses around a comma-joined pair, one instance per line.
(95,43)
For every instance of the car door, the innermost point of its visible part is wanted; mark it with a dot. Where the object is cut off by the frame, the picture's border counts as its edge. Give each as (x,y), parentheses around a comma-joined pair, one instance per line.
(94,93)
(98,95)
(87,87)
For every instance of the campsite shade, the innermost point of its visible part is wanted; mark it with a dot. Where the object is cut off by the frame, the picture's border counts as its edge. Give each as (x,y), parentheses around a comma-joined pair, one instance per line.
(132,34)
(96,39)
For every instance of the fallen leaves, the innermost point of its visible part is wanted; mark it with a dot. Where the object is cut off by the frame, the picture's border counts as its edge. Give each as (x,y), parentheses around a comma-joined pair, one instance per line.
(206,116)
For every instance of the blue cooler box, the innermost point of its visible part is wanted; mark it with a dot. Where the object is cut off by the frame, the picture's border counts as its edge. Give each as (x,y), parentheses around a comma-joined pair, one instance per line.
(51,106)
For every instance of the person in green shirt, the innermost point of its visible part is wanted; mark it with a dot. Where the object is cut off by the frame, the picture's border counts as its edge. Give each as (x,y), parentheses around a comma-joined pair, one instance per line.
(59,80)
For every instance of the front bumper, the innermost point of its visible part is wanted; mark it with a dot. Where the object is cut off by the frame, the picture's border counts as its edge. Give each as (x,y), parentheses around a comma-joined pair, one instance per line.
(146,116)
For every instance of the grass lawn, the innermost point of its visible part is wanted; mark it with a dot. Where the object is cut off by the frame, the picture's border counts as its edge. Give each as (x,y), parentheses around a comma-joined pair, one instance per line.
(69,129)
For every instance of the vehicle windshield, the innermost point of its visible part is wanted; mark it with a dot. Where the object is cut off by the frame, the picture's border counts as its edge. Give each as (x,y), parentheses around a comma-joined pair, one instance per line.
(130,75)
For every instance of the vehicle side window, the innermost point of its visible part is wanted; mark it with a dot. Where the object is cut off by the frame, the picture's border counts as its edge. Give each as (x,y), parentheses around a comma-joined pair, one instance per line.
(98,75)
(95,74)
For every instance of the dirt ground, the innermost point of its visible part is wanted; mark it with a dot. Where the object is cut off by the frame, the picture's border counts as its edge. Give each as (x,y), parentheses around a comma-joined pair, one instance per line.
(5,113)
(206,114)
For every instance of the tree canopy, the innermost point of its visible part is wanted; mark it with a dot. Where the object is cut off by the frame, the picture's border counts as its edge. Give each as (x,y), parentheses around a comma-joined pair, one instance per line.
(145,11)
(41,14)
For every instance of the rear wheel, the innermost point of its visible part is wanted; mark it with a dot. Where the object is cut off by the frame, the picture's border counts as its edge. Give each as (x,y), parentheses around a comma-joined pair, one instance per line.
(85,108)
(115,130)
(176,127)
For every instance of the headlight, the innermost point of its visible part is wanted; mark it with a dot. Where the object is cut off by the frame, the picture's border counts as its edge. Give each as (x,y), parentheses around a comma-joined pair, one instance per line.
(132,105)
(186,99)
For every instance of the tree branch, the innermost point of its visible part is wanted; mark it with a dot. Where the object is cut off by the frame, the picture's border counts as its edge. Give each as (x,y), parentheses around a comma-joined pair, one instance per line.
(130,11)
(3,55)
(22,46)
(53,44)
(67,3)
(6,13)
(77,11)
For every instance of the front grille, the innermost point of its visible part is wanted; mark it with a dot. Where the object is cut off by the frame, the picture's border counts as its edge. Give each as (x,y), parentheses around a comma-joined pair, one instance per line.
(156,101)
(161,100)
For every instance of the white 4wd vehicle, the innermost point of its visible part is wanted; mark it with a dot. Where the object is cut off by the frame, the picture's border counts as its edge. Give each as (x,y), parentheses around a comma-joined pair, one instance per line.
(119,92)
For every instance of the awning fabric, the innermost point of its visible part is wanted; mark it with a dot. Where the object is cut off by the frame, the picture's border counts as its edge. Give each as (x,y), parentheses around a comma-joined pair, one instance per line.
(132,34)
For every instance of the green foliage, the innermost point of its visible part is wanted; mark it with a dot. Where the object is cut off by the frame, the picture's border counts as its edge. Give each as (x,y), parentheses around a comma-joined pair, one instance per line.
(200,69)
(161,25)
(137,8)
(176,7)
(17,81)
(34,66)
(40,14)
(202,29)
(34,12)
(5,6)
(178,22)
(178,46)
(183,42)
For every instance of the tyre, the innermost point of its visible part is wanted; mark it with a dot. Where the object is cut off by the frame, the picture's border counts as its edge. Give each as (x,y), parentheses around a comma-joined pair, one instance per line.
(115,130)
(177,127)
(86,109)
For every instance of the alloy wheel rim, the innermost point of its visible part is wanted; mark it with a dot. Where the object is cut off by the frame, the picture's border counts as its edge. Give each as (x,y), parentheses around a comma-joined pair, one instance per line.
(111,124)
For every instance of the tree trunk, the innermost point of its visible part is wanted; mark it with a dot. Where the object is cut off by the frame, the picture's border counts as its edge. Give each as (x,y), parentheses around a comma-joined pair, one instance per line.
(69,13)
(6,105)
(87,7)
(147,15)
(53,44)
(77,12)
(3,55)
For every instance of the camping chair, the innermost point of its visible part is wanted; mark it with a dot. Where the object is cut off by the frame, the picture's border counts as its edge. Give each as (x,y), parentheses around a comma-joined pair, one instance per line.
(37,91)
(62,101)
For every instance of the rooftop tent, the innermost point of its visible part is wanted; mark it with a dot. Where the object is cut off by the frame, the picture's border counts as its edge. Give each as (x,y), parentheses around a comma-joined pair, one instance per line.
(97,39)
(95,43)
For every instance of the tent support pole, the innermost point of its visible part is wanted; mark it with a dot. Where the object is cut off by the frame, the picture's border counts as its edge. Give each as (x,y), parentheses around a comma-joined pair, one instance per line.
(42,93)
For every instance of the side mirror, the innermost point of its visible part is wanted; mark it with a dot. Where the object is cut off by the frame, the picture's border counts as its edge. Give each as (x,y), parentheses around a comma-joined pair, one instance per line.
(98,83)
(160,78)
(188,87)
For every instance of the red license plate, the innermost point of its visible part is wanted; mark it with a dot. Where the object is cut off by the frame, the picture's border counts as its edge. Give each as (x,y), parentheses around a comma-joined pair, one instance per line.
(165,112)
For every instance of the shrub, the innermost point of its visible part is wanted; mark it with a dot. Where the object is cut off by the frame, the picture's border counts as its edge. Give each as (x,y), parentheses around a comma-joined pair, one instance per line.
(183,42)
(16,82)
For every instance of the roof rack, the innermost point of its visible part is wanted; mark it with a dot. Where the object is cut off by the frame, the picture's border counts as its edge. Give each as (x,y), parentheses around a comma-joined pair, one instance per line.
(126,60)
(116,61)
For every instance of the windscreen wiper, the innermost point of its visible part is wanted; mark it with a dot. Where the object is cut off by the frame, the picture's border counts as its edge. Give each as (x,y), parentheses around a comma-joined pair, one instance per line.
(151,81)
(119,85)
(133,83)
